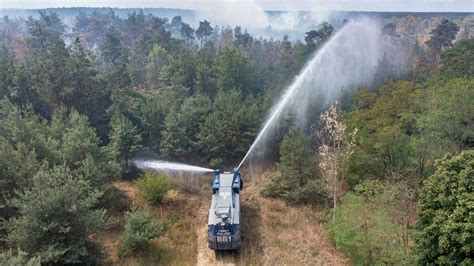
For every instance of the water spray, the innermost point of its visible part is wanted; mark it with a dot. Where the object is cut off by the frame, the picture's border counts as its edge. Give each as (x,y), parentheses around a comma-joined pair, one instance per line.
(349,59)
(164,166)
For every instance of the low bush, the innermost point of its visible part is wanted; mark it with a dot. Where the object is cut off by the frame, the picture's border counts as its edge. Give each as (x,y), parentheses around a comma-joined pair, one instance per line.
(372,225)
(153,187)
(139,229)
(114,200)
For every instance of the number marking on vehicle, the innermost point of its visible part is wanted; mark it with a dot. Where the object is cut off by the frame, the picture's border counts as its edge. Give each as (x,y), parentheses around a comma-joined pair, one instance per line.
(223,238)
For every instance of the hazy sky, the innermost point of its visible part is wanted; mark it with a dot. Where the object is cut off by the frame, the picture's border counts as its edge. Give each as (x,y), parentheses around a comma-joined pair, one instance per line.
(314,5)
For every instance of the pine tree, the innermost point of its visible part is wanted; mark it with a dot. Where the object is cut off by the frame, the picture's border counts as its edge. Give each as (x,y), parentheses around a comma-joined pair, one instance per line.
(55,218)
(125,139)
(298,179)
(25,127)
(111,48)
(175,25)
(18,258)
(204,31)
(79,140)
(321,35)
(187,33)
(181,128)
(234,71)
(139,229)
(7,70)
(229,129)
(87,94)
(172,144)
(45,30)
(18,165)
(442,36)
(180,71)
(153,110)
(204,62)
(50,76)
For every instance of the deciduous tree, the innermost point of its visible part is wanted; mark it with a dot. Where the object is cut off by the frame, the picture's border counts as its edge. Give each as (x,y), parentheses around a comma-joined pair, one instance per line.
(332,149)
(446,212)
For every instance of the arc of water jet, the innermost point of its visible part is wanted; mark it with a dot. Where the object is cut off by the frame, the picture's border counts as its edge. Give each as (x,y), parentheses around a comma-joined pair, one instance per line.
(344,73)
(282,103)
(159,165)
(275,114)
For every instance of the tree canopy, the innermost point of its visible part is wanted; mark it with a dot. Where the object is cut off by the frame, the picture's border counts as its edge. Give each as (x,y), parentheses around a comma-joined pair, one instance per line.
(56,216)
(446,212)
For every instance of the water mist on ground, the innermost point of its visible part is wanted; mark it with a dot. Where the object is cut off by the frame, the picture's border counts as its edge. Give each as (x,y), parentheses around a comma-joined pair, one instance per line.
(348,60)
(164,166)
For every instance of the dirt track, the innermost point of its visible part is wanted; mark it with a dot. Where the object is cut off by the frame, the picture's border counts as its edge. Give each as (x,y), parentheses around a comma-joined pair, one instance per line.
(272,233)
(206,256)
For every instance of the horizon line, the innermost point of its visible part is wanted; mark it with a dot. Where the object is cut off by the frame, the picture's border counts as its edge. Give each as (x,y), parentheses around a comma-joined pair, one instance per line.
(266,10)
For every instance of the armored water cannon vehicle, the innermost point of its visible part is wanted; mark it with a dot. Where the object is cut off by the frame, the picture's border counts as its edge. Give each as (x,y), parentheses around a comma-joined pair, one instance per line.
(224,214)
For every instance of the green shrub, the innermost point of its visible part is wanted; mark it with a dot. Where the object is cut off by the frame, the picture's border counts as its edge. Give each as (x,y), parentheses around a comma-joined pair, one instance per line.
(153,187)
(370,225)
(114,200)
(140,228)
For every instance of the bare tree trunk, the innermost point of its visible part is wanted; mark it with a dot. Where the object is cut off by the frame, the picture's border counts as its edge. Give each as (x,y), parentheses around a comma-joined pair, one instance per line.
(366,225)
(335,189)
(437,57)
(334,201)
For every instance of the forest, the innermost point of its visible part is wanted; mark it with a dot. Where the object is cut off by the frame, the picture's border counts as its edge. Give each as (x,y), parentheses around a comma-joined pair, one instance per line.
(388,169)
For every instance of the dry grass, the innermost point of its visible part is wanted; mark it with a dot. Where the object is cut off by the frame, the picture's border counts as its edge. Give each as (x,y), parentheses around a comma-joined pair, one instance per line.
(273,233)
(288,235)
(176,247)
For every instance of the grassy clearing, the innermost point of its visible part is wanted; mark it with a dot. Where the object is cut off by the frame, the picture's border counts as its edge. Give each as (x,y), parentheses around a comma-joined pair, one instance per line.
(177,247)
(289,235)
(273,233)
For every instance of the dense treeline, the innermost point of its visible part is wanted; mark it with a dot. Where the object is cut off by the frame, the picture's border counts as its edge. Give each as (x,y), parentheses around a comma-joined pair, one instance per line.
(73,115)
(153,72)
(77,105)
(402,131)
(378,153)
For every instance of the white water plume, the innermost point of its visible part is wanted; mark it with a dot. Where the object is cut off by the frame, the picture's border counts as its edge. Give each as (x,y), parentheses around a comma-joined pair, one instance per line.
(346,61)
(164,166)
